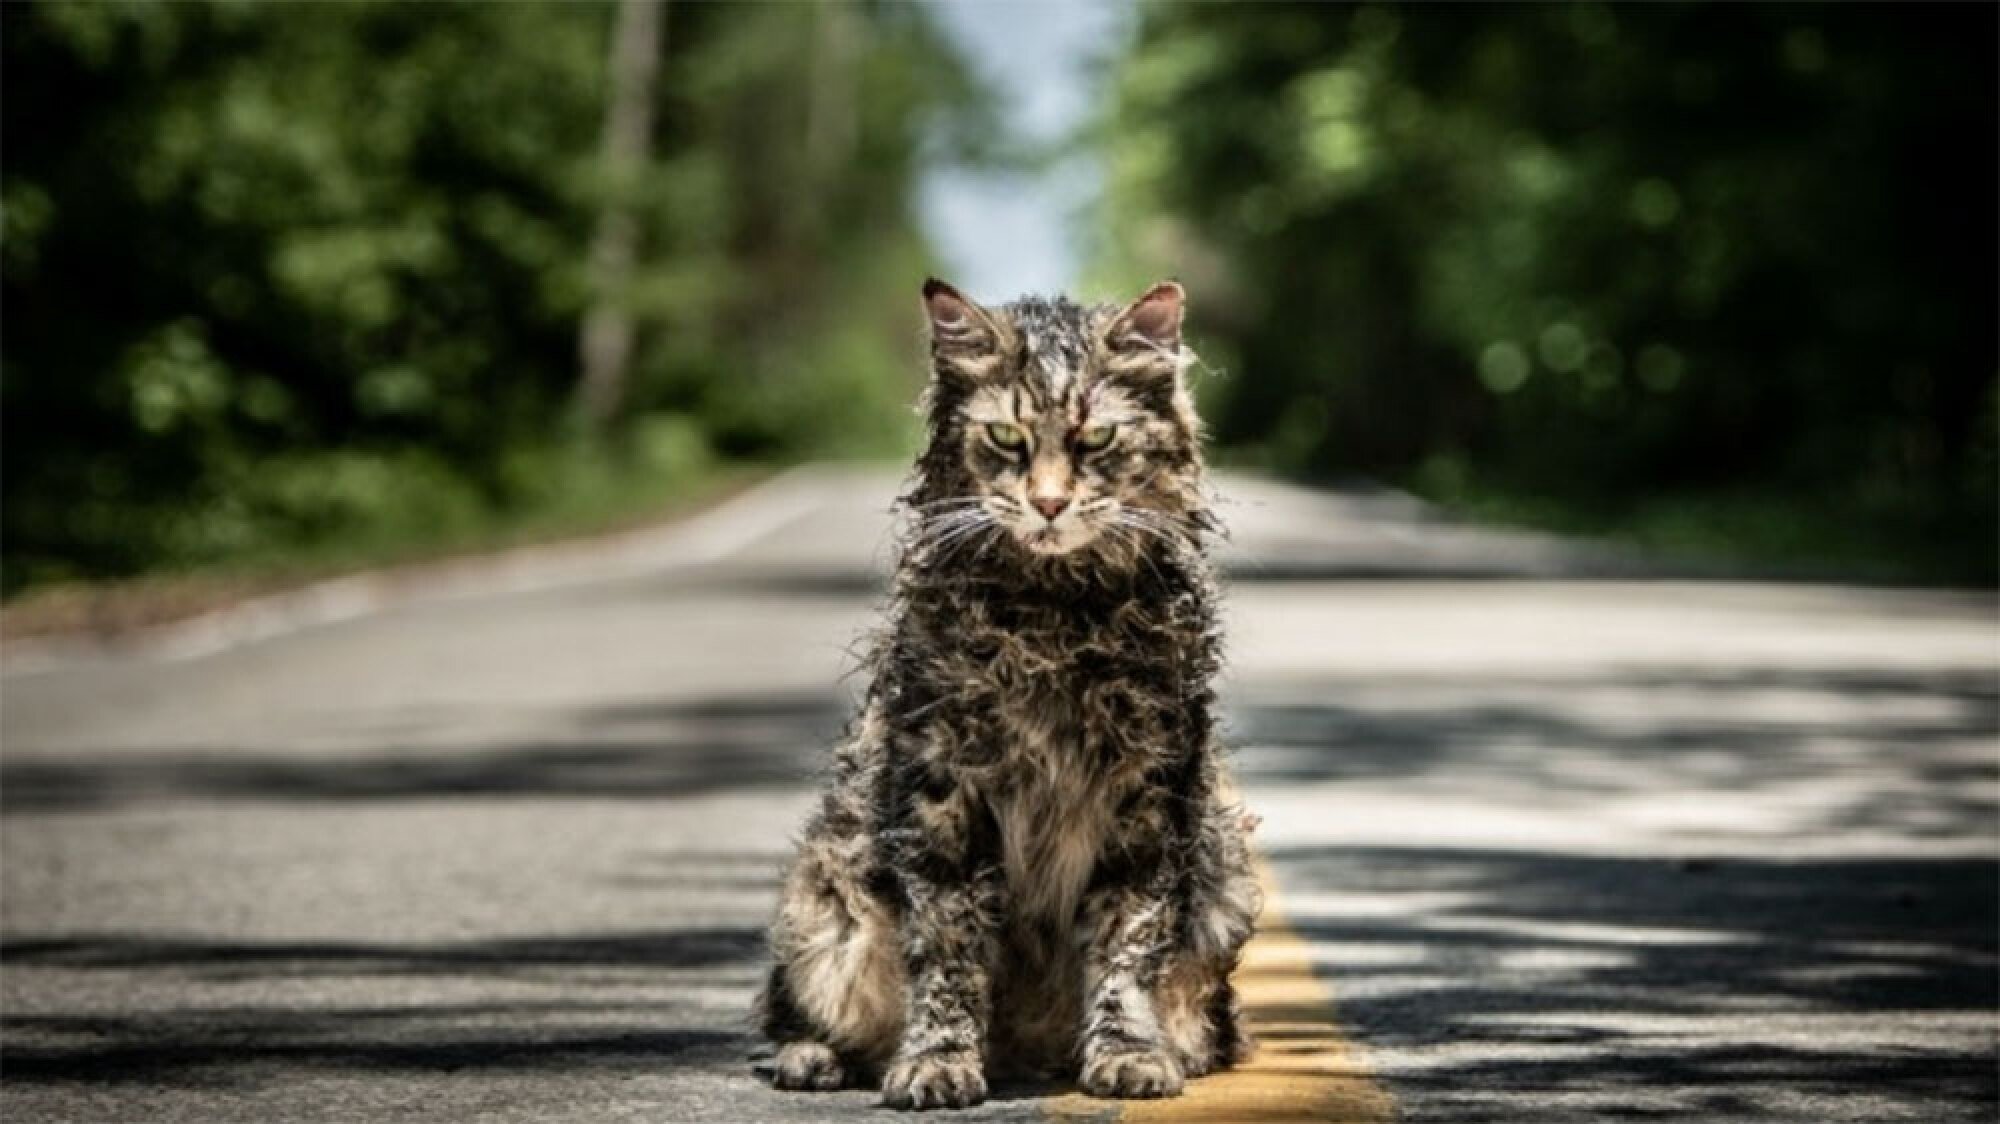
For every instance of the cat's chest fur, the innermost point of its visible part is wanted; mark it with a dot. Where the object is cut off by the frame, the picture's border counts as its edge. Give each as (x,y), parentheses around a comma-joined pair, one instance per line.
(1063,762)
(1052,809)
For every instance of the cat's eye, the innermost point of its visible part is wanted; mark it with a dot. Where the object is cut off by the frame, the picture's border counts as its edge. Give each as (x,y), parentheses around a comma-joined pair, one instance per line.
(1010,437)
(1095,437)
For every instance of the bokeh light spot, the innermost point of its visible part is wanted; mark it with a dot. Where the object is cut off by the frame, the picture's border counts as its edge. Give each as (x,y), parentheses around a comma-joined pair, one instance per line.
(1562,346)
(1503,367)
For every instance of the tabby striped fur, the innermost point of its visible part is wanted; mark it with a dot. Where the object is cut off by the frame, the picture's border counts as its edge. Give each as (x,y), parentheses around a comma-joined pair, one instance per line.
(1028,858)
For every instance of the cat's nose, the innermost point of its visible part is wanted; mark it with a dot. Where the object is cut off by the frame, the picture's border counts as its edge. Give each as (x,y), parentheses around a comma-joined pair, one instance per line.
(1050,506)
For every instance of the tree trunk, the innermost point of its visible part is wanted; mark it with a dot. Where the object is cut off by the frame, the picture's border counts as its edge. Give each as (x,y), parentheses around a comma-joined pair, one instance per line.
(605,345)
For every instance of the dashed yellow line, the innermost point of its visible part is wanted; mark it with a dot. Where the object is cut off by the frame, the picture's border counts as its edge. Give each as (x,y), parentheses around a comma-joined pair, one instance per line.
(1304,1070)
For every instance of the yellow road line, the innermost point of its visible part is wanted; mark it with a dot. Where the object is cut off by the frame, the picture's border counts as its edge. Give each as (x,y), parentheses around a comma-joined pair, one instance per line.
(1304,1070)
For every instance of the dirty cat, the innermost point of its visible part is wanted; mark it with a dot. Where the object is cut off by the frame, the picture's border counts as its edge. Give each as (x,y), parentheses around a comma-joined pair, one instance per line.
(1028,859)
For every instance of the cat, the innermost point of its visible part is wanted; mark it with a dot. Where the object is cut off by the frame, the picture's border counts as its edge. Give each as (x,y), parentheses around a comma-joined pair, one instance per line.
(1029,856)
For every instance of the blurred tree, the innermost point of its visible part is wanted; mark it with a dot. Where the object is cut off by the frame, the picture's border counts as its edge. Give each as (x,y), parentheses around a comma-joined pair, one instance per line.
(1588,252)
(606,342)
(277,275)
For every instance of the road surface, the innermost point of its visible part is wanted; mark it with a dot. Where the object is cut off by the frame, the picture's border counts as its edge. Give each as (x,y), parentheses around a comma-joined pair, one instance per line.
(1553,838)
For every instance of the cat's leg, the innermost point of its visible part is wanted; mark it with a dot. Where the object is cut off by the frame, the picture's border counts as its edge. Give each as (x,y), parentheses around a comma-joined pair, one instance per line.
(1163,926)
(1200,1016)
(834,1002)
(1128,927)
(950,929)
(803,1061)
(1199,1012)
(1124,1050)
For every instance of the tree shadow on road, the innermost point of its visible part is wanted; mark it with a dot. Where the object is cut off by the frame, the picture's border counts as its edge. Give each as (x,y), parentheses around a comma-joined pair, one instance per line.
(1806,962)
(1666,728)
(1494,983)
(515,956)
(1906,752)
(621,1006)
(638,751)
(1506,984)
(209,1047)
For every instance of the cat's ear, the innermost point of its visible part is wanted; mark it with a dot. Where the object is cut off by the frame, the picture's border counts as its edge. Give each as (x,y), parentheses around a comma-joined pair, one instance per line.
(1153,321)
(1146,335)
(964,336)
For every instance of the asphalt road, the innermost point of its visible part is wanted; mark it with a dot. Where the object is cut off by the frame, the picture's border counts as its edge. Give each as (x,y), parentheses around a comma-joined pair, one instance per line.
(1565,839)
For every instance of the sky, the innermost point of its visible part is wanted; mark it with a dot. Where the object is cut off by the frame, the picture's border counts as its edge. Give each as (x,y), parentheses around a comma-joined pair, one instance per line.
(1000,235)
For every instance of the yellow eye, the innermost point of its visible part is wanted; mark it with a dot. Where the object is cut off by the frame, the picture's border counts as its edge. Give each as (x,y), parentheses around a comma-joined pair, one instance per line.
(1007,436)
(1096,437)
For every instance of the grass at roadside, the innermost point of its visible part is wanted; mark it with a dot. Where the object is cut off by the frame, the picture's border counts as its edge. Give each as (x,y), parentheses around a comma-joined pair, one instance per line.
(585,495)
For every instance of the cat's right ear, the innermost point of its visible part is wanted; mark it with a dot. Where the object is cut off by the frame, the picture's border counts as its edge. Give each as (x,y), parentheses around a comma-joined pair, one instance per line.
(965,339)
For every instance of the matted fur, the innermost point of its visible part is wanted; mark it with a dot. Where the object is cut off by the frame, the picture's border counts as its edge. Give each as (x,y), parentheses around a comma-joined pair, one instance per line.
(1028,858)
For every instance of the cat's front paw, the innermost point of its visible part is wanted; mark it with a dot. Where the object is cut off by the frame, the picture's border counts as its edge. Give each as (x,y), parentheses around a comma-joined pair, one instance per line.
(808,1065)
(948,1080)
(1132,1073)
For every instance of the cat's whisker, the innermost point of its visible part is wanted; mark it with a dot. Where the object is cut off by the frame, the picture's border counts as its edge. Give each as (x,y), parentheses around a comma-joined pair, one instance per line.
(1143,527)
(984,546)
(1124,540)
(933,542)
(953,518)
(985,537)
(931,523)
(952,546)
(1169,528)
(952,524)
(1141,532)
(954,501)
(1160,518)
(943,549)
(956,532)
(948,518)
(1169,545)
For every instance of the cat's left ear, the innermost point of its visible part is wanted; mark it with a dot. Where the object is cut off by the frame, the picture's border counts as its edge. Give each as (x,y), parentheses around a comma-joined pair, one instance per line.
(957,323)
(1151,324)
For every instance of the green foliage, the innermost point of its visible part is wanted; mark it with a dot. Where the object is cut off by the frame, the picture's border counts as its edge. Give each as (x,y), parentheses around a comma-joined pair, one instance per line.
(282,274)
(1596,254)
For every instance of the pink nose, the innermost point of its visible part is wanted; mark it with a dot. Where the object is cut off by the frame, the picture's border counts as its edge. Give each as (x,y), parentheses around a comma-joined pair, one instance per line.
(1050,506)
